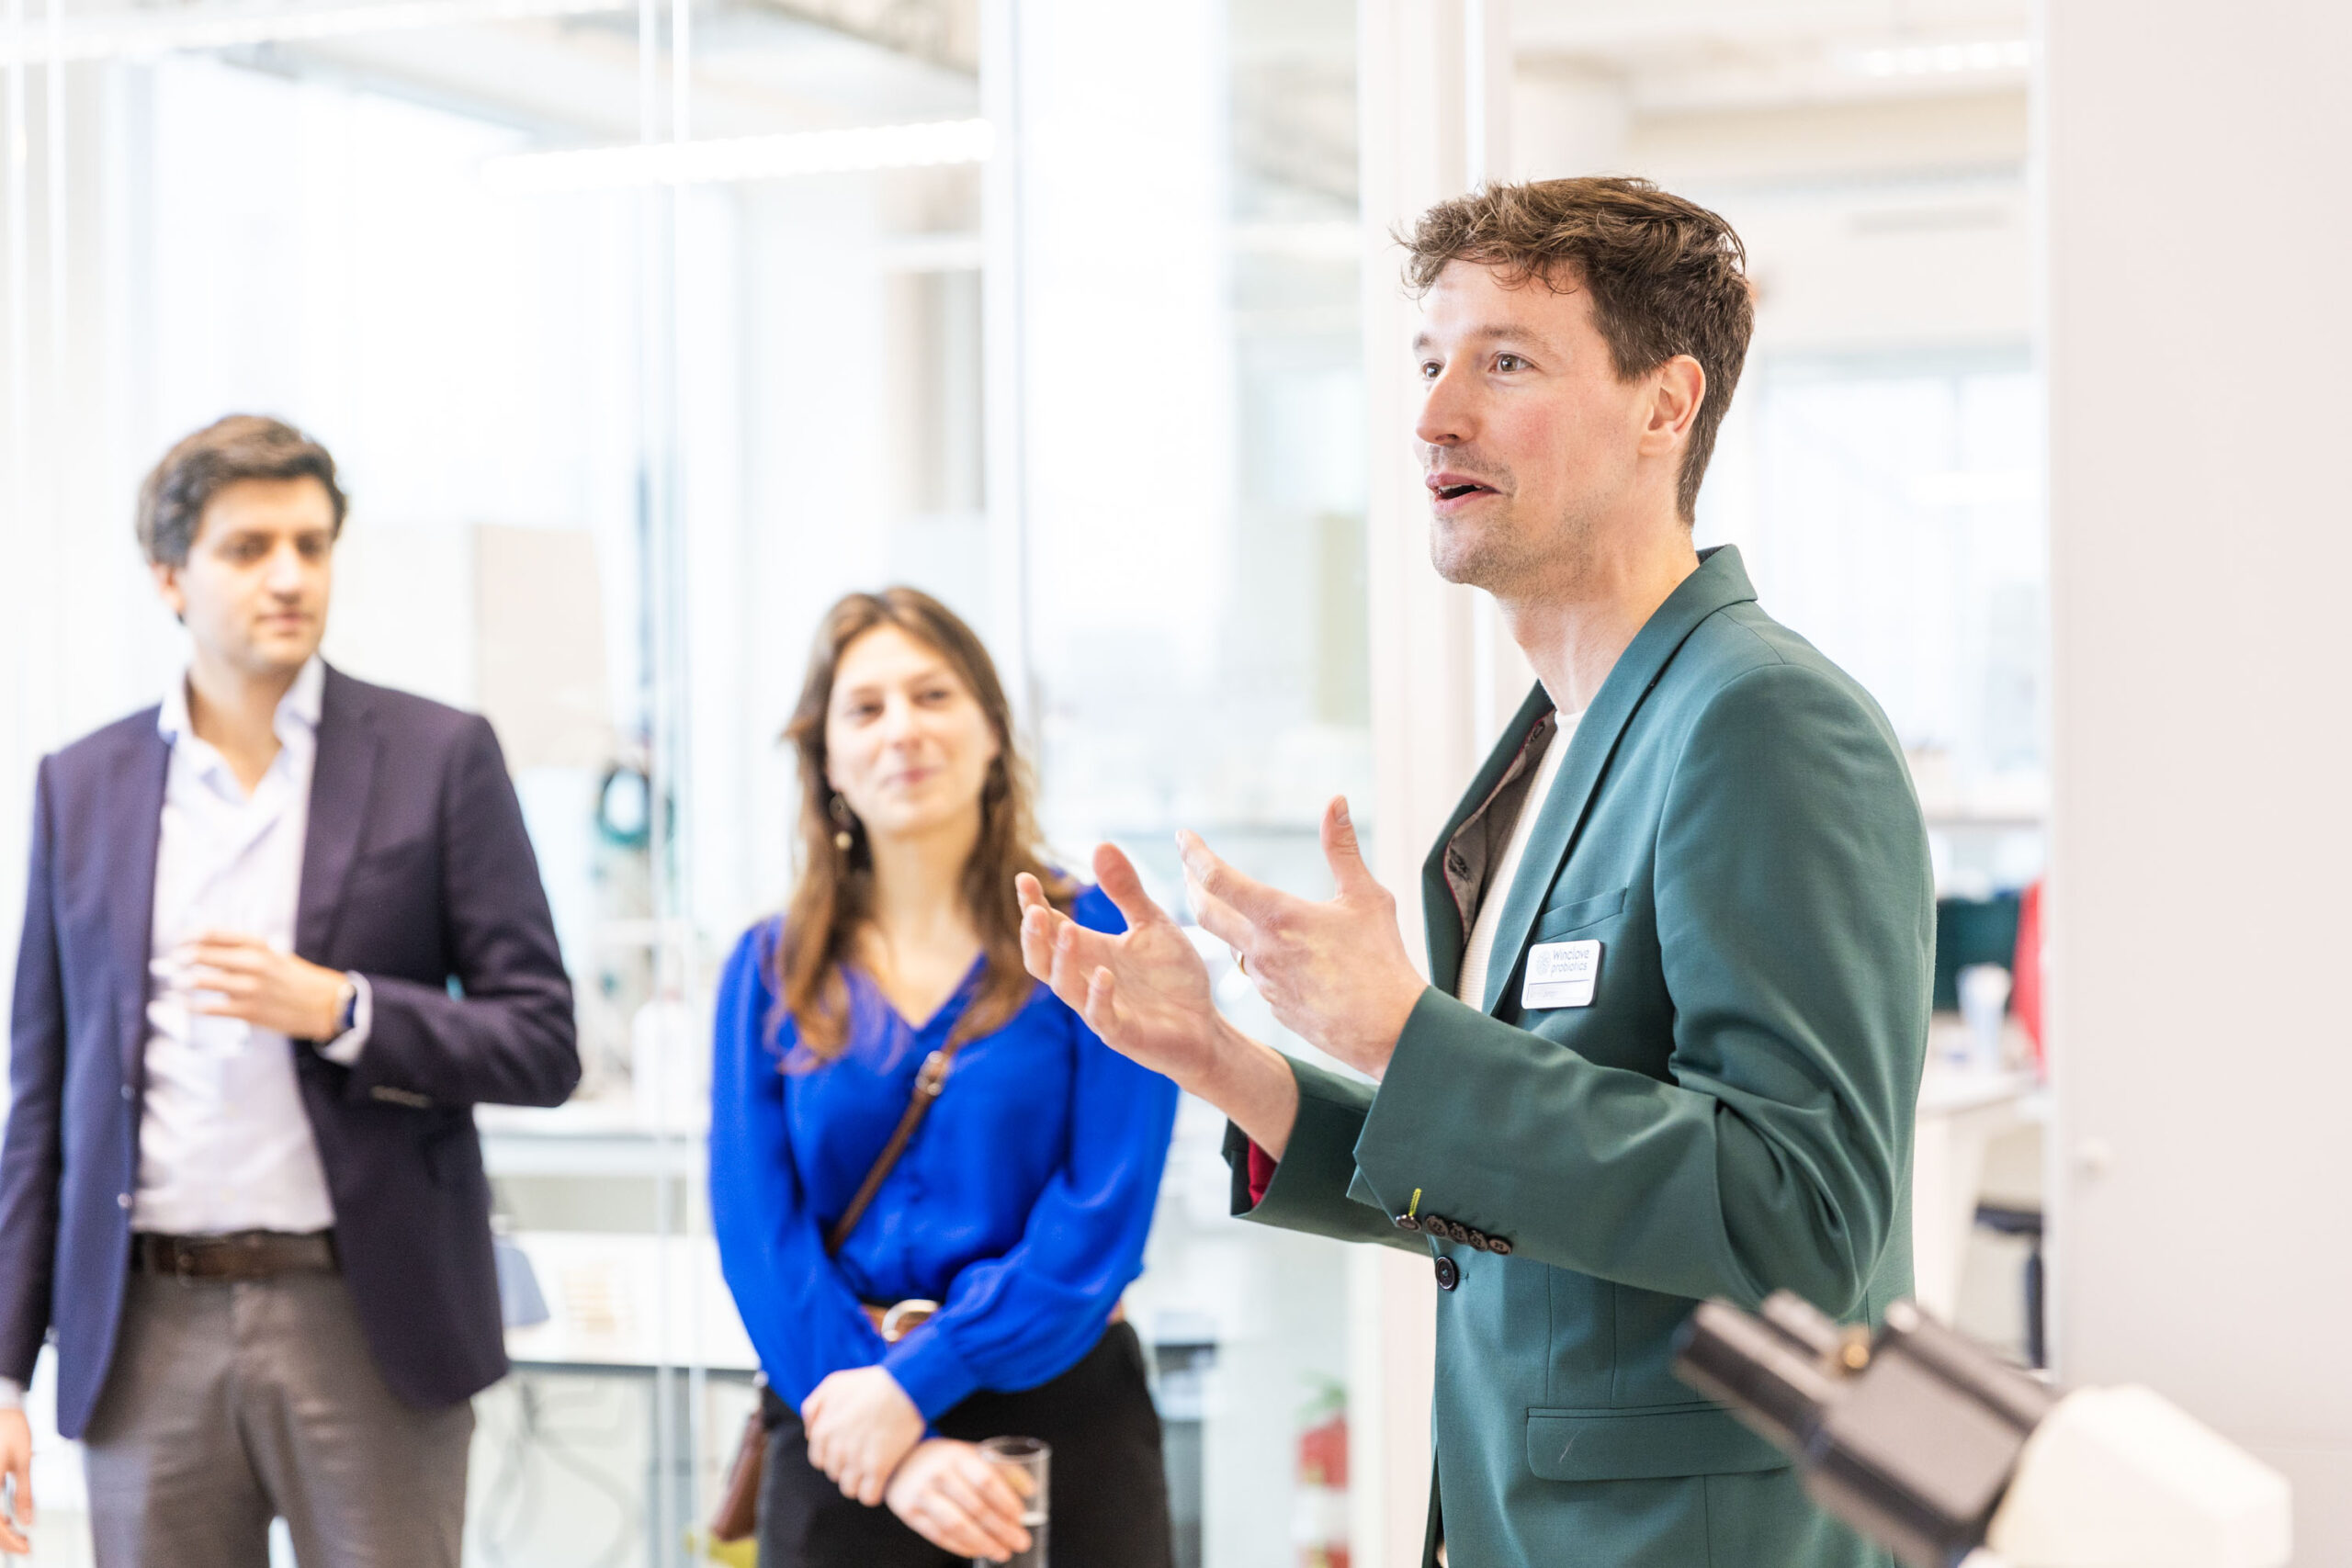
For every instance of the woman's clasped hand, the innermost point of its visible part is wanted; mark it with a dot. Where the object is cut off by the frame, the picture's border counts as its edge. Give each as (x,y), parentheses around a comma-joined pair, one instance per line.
(866,1435)
(948,1493)
(860,1427)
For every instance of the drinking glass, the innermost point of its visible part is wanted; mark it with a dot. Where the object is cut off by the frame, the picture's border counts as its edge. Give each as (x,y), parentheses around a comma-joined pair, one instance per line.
(1030,1456)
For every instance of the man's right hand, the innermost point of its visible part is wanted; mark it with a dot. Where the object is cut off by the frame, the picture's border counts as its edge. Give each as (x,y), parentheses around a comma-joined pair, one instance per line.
(16,1464)
(1146,992)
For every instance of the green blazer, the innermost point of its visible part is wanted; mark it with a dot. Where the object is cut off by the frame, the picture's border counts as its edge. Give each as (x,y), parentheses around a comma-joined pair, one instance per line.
(1730,1114)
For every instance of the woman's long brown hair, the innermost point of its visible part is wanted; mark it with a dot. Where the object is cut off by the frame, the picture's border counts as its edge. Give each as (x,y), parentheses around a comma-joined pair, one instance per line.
(834,895)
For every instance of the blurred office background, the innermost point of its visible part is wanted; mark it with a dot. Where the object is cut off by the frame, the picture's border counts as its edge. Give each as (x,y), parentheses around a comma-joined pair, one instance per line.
(643,331)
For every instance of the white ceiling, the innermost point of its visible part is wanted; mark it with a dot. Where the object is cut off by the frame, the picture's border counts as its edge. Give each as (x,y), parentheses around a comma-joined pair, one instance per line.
(1686,55)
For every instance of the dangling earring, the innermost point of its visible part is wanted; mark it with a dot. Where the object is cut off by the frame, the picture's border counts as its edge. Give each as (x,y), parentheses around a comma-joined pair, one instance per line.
(838,809)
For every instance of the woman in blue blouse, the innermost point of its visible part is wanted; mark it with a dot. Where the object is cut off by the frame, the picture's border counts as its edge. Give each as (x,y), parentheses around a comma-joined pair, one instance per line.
(1018,1212)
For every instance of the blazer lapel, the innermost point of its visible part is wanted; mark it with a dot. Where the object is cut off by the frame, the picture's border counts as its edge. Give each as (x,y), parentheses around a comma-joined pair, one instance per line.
(1441,920)
(1720,581)
(342,776)
(134,832)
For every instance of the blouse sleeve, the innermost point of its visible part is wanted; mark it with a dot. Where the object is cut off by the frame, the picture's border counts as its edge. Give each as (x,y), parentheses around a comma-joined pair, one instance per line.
(802,1316)
(1015,1321)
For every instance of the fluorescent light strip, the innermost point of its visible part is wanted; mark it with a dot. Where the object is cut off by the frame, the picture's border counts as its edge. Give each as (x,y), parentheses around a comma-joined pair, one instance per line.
(1939,58)
(852,151)
(133,35)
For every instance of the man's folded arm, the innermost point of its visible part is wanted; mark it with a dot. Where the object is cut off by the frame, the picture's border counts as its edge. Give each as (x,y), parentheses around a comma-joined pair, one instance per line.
(1796,924)
(508,1038)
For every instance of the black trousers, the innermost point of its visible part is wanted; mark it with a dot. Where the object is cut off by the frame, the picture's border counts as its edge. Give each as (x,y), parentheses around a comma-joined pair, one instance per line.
(1109,1491)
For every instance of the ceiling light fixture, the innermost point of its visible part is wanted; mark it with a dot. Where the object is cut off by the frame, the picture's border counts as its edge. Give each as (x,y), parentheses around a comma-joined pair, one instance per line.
(1942,59)
(852,151)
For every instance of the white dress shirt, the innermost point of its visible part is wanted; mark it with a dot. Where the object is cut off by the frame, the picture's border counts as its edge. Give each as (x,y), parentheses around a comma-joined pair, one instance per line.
(224,1144)
(1471,985)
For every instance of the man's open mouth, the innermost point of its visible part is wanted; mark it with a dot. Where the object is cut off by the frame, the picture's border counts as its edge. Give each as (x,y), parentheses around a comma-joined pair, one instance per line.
(1453,487)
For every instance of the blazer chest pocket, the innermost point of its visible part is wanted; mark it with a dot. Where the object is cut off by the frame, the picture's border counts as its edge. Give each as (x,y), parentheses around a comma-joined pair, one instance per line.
(1552,924)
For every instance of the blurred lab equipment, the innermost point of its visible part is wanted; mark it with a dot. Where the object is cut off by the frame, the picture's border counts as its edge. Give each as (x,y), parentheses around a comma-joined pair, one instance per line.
(1971,930)
(1983,1003)
(1950,1458)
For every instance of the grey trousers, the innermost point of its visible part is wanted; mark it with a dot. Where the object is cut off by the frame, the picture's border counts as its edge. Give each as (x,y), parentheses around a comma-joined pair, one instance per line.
(230,1404)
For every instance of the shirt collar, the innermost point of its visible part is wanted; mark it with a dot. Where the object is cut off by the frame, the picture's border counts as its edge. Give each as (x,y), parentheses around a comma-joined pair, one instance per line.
(304,701)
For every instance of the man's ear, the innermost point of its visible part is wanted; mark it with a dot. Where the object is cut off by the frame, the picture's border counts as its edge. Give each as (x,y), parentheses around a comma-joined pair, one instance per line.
(1677,387)
(167,589)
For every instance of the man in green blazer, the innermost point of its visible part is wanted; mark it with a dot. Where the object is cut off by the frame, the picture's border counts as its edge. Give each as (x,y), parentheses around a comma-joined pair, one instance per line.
(1680,931)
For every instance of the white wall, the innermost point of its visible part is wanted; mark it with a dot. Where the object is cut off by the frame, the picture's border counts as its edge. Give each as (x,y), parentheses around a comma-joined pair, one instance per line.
(2199,330)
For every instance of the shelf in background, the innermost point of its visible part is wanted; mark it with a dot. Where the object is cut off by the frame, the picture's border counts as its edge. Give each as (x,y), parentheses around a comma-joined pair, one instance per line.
(586,1138)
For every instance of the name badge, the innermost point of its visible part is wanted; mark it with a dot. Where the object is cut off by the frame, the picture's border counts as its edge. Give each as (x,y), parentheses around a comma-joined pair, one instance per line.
(1561,975)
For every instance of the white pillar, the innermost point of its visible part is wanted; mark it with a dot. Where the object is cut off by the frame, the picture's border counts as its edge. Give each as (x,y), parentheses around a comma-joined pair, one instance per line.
(2201,844)
(1433,105)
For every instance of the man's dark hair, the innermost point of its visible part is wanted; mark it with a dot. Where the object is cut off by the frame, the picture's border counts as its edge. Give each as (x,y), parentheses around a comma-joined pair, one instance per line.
(1666,276)
(242,447)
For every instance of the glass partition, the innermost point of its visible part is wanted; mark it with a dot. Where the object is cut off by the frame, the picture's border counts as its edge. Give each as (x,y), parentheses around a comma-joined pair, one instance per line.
(1195,432)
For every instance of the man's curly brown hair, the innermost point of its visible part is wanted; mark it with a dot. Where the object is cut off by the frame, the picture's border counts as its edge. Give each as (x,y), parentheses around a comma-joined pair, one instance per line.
(1665,276)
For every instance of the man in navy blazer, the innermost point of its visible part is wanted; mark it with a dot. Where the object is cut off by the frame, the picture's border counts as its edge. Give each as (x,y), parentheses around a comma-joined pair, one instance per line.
(282,933)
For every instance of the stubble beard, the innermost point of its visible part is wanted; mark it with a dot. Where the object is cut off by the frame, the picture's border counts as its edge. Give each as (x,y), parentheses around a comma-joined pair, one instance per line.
(1499,557)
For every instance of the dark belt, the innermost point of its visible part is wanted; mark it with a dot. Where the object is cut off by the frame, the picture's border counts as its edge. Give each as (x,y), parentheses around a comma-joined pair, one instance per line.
(240,1255)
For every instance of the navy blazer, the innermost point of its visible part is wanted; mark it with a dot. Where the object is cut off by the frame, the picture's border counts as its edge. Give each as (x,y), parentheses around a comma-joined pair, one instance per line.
(416,872)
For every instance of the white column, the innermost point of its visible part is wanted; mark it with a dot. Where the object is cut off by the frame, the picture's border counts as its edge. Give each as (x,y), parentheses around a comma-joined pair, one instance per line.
(1004,403)
(2201,844)
(1431,90)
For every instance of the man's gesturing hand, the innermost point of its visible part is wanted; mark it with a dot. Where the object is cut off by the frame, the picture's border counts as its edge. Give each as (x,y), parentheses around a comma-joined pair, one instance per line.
(1335,972)
(1146,992)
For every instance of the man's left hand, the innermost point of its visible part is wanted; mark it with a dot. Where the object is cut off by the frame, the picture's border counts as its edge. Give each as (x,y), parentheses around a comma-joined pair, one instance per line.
(1335,972)
(861,1425)
(236,976)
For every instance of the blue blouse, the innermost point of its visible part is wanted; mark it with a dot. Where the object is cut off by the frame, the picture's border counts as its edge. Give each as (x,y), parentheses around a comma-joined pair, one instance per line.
(1022,1206)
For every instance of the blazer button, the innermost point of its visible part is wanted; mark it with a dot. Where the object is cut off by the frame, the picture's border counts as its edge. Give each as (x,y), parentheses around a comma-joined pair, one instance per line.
(1478,1239)
(1449,1273)
(1407,1223)
(122,1199)
(1498,1247)
(1458,1231)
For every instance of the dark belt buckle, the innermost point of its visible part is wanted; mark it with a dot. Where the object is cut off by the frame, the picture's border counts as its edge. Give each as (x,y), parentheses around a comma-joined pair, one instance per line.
(204,1257)
(192,1257)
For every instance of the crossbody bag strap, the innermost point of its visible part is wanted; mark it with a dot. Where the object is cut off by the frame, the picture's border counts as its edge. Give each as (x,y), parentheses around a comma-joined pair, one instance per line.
(928,1084)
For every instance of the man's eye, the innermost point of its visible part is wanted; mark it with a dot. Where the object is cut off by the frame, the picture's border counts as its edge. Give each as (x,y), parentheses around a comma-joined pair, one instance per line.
(1510,362)
(1429,368)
